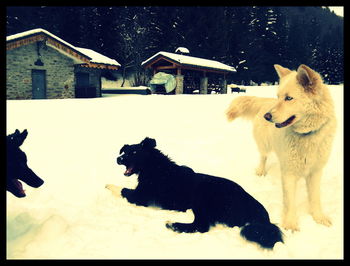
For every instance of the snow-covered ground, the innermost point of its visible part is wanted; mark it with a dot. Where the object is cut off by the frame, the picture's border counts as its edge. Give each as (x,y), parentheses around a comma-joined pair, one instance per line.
(73,143)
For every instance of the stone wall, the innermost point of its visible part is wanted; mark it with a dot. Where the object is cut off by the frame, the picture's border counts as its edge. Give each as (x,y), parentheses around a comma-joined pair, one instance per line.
(59,68)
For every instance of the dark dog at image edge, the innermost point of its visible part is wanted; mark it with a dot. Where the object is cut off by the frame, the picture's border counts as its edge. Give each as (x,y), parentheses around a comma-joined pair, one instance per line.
(17,168)
(213,200)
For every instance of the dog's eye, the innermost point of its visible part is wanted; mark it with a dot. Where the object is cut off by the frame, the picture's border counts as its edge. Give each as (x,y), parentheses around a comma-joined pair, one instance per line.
(288,98)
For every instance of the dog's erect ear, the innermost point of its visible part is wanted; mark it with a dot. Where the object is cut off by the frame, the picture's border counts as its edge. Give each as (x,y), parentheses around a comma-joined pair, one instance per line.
(24,134)
(282,71)
(149,143)
(22,137)
(18,138)
(123,148)
(308,78)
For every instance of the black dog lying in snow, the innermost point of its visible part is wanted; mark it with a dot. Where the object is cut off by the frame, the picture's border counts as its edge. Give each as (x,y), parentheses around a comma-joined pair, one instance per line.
(17,167)
(212,199)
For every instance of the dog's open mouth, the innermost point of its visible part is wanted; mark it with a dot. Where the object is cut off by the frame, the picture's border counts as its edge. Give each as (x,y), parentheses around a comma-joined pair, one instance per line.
(285,123)
(17,185)
(129,171)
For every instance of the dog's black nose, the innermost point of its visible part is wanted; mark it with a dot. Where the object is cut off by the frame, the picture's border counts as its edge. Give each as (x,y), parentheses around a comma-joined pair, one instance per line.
(119,160)
(268,116)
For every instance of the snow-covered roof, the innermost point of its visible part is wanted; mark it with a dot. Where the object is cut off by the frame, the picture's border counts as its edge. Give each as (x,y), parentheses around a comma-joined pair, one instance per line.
(92,56)
(97,57)
(191,61)
(35,31)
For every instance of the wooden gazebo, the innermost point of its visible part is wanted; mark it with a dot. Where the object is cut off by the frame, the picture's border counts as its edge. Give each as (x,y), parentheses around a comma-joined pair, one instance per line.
(177,63)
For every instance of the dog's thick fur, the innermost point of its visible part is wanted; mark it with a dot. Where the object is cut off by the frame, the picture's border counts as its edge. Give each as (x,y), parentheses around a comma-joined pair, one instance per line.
(299,127)
(17,167)
(213,200)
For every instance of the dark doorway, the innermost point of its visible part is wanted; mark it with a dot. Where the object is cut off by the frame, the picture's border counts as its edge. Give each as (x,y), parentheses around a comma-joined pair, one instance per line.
(38,84)
(82,87)
(82,79)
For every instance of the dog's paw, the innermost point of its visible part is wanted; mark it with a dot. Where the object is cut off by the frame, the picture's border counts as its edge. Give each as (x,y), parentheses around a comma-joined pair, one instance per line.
(179,227)
(110,186)
(170,226)
(114,189)
(291,225)
(187,228)
(260,171)
(322,219)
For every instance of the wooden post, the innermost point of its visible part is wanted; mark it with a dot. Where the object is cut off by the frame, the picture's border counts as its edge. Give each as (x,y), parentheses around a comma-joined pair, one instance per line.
(224,85)
(179,84)
(178,71)
(203,86)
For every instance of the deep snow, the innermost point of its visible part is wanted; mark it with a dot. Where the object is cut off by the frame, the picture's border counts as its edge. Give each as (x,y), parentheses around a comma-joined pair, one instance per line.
(73,143)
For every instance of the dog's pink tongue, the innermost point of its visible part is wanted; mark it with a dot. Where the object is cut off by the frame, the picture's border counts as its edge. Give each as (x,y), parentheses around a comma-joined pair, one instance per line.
(128,171)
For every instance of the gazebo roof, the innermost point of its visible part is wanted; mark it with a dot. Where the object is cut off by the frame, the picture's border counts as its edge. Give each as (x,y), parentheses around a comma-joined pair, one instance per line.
(166,60)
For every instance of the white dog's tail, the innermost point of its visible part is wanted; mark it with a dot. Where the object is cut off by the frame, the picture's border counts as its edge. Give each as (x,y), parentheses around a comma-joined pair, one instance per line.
(246,107)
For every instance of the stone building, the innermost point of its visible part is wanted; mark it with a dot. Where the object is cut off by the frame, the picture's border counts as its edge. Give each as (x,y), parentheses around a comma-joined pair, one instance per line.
(39,65)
